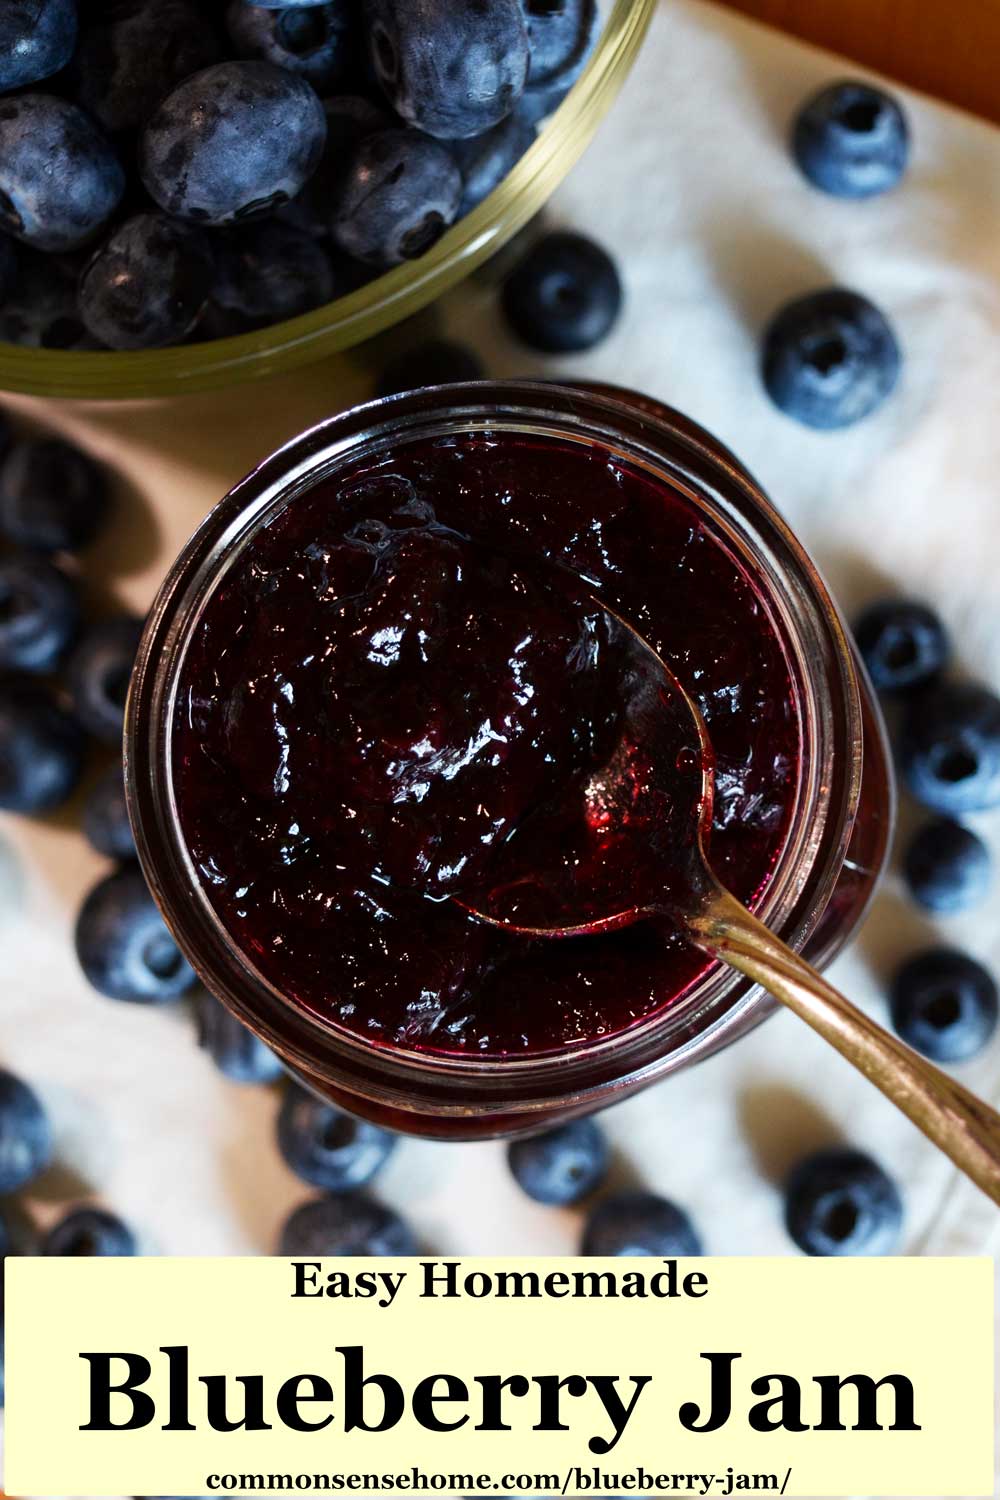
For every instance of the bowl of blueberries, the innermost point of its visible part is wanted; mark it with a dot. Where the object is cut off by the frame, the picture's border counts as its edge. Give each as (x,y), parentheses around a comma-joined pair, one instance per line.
(193,194)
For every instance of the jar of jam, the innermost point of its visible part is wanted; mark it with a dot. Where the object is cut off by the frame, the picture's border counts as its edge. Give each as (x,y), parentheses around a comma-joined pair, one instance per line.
(351,688)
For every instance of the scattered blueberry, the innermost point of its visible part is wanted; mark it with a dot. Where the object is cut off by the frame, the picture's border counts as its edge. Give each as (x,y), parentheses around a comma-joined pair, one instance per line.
(147,285)
(60,181)
(397,196)
(131,54)
(565,296)
(346,1224)
(852,140)
(326,1147)
(237,1053)
(41,748)
(25,1135)
(950,749)
(41,312)
(39,614)
(841,1202)
(903,643)
(105,820)
(319,41)
(53,496)
(123,944)
(486,160)
(36,40)
(234,140)
(561,1166)
(451,70)
(944,1004)
(98,673)
(438,362)
(639,1224)
(561,37)
(270,271)
(948,867)
(89,1231)
(830,359)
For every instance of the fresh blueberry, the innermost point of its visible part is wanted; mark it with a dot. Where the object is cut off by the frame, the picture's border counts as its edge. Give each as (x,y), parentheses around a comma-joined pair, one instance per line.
(944,1004)
(639,1224)
(105,820)
(89,1231)
(841,1202)
(36,40)
(271,271)
(830,359)
(60,181)
(397,195)
(903,643)
(852,140)
(450,70)
(349,118)
(326,1147)
(948,867)
(438,362)
(148,284)
(133,53)
(561,37)
(237,1053)
(53,496)
(123,944)
(562,1165)
(41,312)
(321,42)
(39,614)
(25,1134)
(41,748)
(346,1224)
(234,140)
(565,296)
(950,749)
(98,673)
(485,160)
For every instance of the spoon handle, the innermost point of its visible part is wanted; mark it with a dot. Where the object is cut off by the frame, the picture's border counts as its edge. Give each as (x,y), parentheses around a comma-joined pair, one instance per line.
(964,1127)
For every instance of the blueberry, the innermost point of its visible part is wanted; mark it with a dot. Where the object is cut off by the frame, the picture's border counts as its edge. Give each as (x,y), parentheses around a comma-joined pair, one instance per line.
(89,1231)
(135,52)
(450,70)
(105,820)
(639,1224)
(53,496)
(270,271)
(60,181)
(562,1165)
(397,195)
(852,140)
(830,359)
(39,614)
(841,1202)
(319,41)
(903,643)
(8,266)
(328,1148)
(25,1135)
(485,160)
(148,284)
(237,1053)
(36,40)
(98,673)
(41,311)
(123,944)
(950,748)
(234,140)
(41,748)
(944,1004)
(438,362)
(347,1224)
(565,296)
(948,867)
(561,37)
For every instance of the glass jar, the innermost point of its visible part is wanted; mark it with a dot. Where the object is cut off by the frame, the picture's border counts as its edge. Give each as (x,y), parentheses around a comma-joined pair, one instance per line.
(824,876)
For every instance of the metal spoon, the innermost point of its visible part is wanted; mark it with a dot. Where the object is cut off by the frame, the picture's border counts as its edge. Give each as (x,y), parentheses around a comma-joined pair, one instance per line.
(628,842)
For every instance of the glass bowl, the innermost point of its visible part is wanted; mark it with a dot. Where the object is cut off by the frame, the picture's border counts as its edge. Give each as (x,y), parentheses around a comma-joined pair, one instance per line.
(386,300)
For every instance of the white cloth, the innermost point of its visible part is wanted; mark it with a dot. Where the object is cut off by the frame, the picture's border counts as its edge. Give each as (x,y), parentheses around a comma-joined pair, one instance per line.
(690,185)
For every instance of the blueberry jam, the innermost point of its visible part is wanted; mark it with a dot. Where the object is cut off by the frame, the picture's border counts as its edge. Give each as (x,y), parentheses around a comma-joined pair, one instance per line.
(386,682)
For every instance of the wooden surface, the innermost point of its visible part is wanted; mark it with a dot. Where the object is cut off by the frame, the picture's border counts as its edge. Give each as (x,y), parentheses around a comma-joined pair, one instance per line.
(946,47)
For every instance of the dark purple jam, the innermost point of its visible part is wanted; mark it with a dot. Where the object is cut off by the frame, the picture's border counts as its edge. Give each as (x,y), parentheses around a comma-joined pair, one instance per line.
(387,683)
